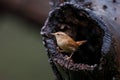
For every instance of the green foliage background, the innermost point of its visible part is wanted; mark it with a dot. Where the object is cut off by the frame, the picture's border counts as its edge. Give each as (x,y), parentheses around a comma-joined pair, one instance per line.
(22,54)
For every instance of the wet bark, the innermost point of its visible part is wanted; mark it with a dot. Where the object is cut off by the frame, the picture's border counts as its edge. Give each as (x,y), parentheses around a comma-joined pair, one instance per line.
(92,20)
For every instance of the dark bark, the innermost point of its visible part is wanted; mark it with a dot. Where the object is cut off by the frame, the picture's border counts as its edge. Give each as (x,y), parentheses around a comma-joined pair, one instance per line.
(98,58)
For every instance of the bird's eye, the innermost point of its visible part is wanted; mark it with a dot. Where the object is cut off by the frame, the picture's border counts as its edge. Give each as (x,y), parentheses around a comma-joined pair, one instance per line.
(58,34)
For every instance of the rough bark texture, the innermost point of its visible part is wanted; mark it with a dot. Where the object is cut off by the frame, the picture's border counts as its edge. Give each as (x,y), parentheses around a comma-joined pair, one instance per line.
(92,20)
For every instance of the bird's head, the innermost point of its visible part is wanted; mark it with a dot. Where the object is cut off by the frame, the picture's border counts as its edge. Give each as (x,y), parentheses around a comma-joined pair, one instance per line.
(59,34)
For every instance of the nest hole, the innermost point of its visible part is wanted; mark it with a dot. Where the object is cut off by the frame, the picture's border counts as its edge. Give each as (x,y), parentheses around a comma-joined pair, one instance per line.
(78,25)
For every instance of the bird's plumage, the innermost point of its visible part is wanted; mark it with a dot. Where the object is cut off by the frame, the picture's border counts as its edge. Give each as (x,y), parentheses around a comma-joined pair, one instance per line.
(66,43)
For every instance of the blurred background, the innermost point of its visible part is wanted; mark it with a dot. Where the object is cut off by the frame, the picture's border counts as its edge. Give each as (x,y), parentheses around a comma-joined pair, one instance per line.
(22,54)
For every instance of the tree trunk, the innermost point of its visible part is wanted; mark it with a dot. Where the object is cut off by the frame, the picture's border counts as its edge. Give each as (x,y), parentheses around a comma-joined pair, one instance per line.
(92,20)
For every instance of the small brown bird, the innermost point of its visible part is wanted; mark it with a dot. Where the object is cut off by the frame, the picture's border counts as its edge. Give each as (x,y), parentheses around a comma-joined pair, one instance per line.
(66,43)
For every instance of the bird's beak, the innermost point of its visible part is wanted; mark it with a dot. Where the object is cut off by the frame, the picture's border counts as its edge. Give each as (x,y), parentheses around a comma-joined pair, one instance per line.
(52,33)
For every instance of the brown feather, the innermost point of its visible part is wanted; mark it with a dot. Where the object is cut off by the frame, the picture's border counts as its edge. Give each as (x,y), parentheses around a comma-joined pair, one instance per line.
(81,42)
(66,43)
